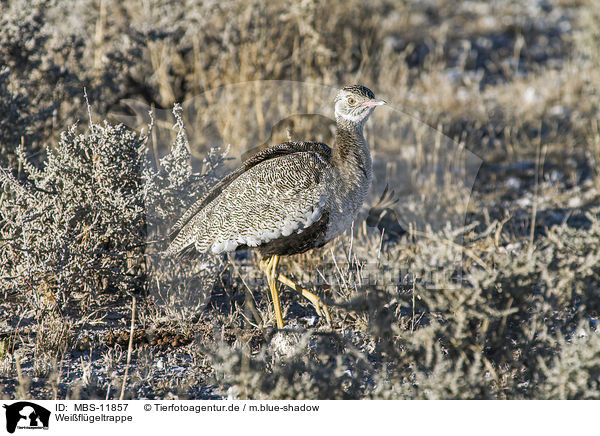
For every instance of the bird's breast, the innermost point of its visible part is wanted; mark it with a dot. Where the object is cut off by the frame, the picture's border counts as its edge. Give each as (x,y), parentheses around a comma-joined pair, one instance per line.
(345,202)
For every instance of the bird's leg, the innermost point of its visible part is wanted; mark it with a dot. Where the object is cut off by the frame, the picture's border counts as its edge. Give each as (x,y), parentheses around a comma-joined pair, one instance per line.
(263,264)
(318,304)
(271,272)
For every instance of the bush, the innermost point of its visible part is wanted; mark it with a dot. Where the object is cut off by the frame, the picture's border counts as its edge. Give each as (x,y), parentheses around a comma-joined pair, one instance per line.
(80,225)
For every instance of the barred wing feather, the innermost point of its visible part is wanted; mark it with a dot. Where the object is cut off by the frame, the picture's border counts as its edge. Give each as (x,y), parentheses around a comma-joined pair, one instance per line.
(275,198)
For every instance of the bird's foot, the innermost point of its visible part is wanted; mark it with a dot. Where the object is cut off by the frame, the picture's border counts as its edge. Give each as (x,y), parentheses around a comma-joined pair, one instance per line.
(316,301)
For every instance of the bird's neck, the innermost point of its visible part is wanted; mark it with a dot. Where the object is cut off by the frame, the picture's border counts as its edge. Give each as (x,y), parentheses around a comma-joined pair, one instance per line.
(351,152)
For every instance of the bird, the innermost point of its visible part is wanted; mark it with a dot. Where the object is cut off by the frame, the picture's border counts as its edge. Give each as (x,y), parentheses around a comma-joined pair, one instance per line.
(286,199)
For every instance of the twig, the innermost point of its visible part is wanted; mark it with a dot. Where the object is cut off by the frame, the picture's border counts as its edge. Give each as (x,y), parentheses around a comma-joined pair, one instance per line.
(89,110)
(153,134)
(539,164)
(338,269)
(22,386)
(412,321)
(58,377)
(129,349)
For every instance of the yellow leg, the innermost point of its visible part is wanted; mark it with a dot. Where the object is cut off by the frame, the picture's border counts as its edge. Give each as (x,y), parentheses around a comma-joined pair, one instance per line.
(270,267)
(319,306)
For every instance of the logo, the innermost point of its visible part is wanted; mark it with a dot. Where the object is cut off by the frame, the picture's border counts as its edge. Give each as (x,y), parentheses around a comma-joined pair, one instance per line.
(26,415)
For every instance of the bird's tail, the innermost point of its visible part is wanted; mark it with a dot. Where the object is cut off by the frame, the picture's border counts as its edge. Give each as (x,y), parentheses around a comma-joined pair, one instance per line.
(178,246)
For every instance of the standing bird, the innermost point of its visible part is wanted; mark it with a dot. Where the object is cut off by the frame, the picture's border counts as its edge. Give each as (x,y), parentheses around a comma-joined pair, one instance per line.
(288,198)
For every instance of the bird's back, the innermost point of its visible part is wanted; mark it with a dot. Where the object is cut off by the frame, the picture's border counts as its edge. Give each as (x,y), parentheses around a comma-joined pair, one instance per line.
(278,192)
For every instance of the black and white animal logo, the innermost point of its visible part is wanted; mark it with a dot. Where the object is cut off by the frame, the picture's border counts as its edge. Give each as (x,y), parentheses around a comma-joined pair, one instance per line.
(24,414)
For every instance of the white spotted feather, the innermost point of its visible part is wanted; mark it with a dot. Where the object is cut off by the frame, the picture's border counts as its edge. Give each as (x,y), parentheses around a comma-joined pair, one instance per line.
(273,199)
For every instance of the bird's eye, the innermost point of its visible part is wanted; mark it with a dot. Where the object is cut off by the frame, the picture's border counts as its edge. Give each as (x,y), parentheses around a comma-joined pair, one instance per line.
(351,100)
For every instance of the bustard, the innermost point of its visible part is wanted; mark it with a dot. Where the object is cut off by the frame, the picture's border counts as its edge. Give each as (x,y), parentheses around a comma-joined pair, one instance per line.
(288,198)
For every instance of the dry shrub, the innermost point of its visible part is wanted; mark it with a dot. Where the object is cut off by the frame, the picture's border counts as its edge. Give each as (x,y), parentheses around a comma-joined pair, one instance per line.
(81,224)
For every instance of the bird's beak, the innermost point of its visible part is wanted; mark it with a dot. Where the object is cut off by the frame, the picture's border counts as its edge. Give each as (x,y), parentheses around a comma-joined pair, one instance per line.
(373,102)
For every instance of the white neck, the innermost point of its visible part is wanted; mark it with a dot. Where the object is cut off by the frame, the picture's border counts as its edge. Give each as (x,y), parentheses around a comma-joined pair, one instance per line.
(358,119)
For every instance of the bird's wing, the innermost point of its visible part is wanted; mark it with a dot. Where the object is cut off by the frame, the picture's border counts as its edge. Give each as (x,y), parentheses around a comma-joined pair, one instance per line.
(279,191)
(269,153)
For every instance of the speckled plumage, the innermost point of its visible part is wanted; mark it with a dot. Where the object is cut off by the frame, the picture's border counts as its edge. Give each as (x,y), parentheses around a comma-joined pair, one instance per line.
(288,198)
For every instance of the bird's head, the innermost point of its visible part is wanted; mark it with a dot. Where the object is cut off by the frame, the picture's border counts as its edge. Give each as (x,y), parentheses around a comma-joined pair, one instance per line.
(355,103)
